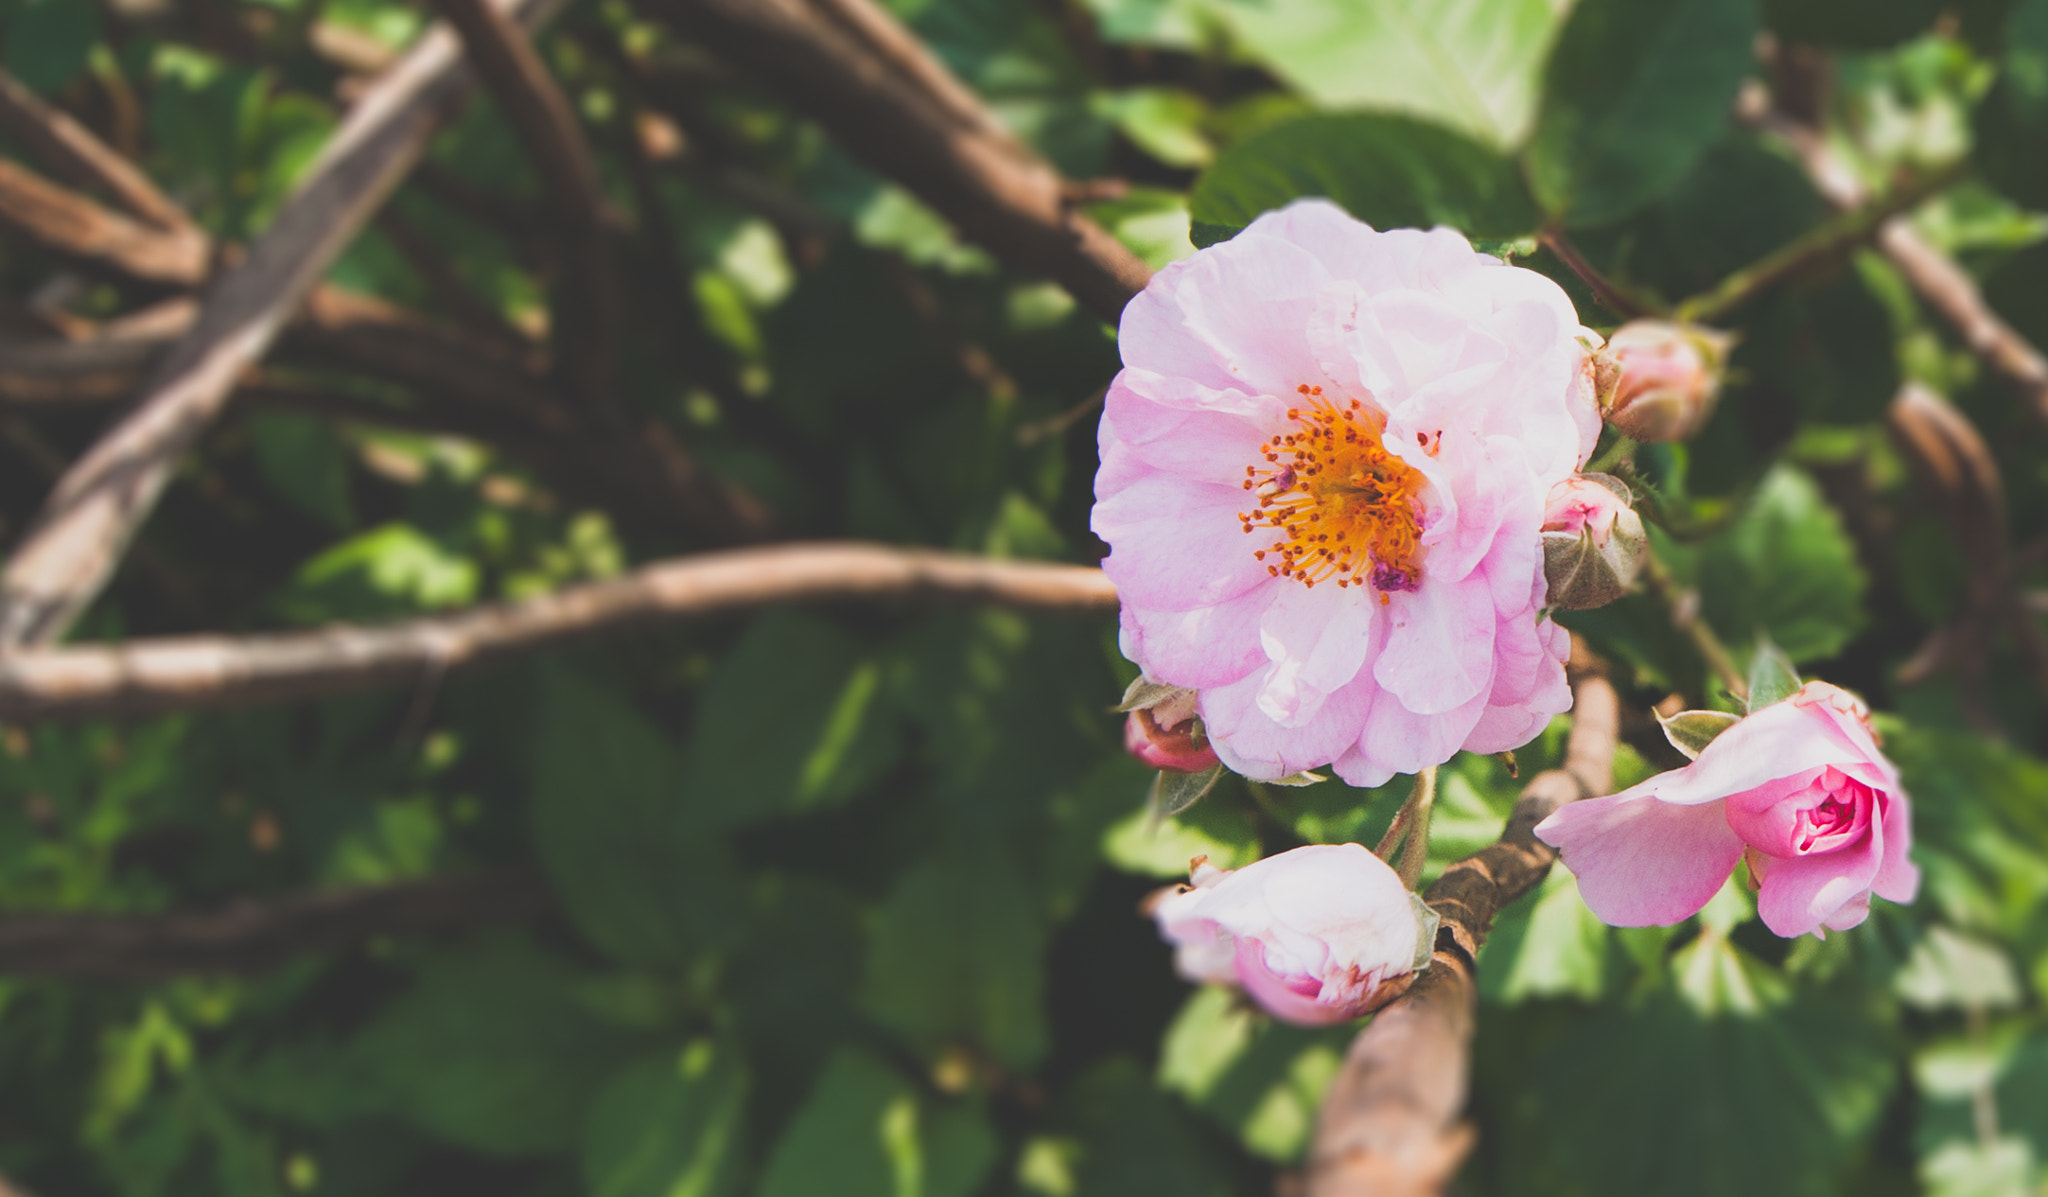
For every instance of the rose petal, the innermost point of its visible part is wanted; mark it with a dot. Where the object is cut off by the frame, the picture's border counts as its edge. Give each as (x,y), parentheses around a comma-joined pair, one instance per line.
(1641,862)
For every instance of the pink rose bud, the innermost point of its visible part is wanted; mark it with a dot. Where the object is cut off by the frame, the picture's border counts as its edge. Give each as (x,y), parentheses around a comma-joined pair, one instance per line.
(1316,936)
(1163,730)
(1593,542)
(1799,788)
(1664,377)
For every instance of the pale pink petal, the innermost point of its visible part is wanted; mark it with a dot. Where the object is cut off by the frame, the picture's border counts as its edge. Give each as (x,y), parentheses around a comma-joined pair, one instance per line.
(1772,743)
(1291,999)
(1398,740)
(1208,646)
(1196,444)
(1439,652)
(1640,862)
(1317,638)
(1898,879)
(1178,545)
(1239,310)
(1251,743)
(1801,893)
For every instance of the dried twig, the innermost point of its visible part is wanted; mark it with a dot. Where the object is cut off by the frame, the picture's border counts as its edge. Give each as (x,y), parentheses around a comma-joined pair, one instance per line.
(72,150)
(76,542)
(1391,1124)
(587,313)
(251,935)
(1009,203)
(178,673)
(67,223)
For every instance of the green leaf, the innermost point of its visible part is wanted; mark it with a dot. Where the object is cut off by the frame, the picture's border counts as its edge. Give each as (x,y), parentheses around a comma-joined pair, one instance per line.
(863,1132)
(1261,1079)
(1786,569)
(1858,24)
(668,1126)
(1955,1077)
(641,881)
(957,952)
(2011,123)
(1546,946)
(1691,731)
(1980,829)
(1389,171)
(389,570)
(1134,1140)
(1174,792)
(794,720)
(1725,1083)
(491,1051)
(1947,970)
(1772,676)
(49,41)
(1633,94)
(306,461)
(1469,64)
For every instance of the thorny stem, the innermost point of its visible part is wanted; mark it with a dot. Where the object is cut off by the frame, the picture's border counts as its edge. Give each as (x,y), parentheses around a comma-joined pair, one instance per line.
(1836,237)
(1416,850)
(1618,298)
(1684,605)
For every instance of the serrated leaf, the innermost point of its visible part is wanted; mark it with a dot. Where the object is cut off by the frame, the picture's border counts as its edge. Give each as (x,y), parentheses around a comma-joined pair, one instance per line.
(1173,793)
(1633,95)
(1389,171)
(1691,731)
(1772,676)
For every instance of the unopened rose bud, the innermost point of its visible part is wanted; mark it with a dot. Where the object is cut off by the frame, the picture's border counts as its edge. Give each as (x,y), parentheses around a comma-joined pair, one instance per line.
(1316,936)
(1664,377)
(1593,542)
(1163,730)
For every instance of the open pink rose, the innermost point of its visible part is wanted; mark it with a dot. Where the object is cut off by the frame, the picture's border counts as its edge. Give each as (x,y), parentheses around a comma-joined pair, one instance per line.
(1323,476)
(1799,787)
(1316,935)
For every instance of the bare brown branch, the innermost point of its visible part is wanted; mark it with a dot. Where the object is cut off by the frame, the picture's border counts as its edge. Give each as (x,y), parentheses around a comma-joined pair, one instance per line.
(1392,1122)
(67,223)
(77,540)
(587,313)
(251,935)
(1008,202)
(71,150)
(178,673)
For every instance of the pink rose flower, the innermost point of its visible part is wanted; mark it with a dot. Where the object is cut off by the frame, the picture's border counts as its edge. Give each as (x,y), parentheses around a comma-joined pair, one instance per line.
(1798,787)
(1323,473)
(1317,935)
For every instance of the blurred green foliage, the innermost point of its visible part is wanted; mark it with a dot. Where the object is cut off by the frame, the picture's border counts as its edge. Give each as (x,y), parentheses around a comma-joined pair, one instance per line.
(847,899)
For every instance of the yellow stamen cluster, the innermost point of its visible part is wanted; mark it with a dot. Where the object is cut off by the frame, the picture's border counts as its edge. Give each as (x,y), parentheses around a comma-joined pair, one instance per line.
(1343,506)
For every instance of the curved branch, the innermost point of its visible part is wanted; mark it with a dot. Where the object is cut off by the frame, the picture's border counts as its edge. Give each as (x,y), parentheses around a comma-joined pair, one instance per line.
(71,149)
(1391,1123)
(1001,197)
(176,673)
(251,935)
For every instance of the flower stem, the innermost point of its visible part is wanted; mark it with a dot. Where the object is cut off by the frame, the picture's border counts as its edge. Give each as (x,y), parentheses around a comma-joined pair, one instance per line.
(1623,301)
(1684,604)
(1416,850)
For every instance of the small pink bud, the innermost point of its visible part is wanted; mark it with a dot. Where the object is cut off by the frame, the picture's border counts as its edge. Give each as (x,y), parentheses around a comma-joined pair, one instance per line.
(1317,935)
(1658,380)
(1178,748)
(1593,542)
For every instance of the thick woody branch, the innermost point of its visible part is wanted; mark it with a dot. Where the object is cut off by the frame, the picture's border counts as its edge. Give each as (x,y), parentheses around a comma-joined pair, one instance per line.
(587,314)
(1001,197)
(1392,1122)
(64,561)
(71,150)
(251,935)
(176,673)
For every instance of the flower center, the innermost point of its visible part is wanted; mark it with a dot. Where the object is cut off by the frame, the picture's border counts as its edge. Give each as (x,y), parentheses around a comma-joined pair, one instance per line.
(1341,506)
(1840,814)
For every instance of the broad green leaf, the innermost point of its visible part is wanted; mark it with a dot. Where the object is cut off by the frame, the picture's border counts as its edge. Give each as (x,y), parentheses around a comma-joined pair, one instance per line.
(490,1050)
(1633,94)
(1389,171)
(641,880)
(1779,1093)
(668,1126)
(1133,1139)
(48,41)
(1772,676)
(1947,970)
(1469,64)
(2003,1073)
(389,570)
(1546,945)
(795,719)
(2011,123)
(1261,1079)
(1859,24)
(1980,829)
(1787,569)
(306,461)
(957,952)
(864,1131)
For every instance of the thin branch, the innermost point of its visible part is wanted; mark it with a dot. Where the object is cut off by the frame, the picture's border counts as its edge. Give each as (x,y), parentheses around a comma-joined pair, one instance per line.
(176,673)
(586,314)
(1624,302)
(1391,1124)
(67,223)
(72,150)
(1009,203)
(1849,230)
(1684,605)
(64,561)
(251,935)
